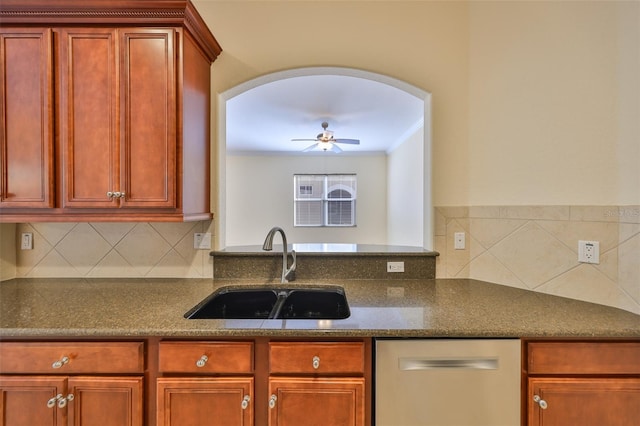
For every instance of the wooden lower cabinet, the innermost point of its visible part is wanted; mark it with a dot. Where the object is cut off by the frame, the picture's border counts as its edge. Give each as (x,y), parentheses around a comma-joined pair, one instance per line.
(72,383)
(195,401)
(578,401)
(317,383)
(316,401)
(263,382)
(24,401)
(74,401)
(582,383)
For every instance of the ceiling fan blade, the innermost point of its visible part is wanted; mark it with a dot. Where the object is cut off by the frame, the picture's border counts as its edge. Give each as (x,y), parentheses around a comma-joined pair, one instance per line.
(310,140)
(310,147)
(335,148)
(349,141)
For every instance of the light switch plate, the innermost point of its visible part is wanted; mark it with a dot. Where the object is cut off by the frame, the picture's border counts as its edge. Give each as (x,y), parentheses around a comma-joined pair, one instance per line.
(202,241)
(26,241)
(459,242)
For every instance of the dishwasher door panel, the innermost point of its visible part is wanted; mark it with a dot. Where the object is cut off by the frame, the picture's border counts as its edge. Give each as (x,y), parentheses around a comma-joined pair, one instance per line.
(447,382)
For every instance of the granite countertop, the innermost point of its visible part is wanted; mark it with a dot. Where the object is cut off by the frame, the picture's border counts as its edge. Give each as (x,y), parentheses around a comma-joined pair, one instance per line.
(326,249)
(64,308)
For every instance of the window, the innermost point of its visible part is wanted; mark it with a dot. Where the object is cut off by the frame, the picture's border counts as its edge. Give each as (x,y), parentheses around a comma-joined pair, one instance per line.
(324,200)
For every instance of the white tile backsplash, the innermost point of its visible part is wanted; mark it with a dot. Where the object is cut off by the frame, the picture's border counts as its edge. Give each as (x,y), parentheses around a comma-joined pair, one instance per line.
(535,247)
(150,250)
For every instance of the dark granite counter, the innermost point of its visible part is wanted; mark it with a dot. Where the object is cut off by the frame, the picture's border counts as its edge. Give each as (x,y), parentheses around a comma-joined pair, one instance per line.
(66,308)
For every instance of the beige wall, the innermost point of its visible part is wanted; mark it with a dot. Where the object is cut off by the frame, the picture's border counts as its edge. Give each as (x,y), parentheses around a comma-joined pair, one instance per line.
(7,251)
(554,103)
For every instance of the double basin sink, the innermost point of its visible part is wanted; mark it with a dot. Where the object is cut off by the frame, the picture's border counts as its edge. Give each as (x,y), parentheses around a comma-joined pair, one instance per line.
(273,303)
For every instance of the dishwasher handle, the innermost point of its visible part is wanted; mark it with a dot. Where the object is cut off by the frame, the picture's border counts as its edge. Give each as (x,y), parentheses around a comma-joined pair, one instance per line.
(473,363)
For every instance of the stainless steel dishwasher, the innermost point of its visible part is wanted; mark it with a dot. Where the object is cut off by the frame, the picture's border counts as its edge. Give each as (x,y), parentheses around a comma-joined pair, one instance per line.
(447,382)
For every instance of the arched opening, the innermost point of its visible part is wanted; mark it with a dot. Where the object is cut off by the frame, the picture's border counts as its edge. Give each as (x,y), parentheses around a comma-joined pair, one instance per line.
(408,219)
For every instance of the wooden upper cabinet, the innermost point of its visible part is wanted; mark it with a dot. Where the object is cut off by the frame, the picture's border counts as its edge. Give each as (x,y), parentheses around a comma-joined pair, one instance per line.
(26,114)
(89,133)
(128,95)
(118,117)
(149,106)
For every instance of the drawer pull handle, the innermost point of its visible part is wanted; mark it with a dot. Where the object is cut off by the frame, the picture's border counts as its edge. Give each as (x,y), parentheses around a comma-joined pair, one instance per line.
(116,194)
(541,402)
(272,401)
(202,361)
(62,361)
(245,402)
(62,402)
(52,402)
(316,362)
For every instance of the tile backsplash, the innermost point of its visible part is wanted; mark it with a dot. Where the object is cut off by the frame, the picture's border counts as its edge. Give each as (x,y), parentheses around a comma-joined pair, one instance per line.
(114,250)
(536,248)
(530,247)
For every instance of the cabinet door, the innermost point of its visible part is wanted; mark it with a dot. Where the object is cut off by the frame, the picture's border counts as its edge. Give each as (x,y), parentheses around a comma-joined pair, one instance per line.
(196,401)
(26,116)
(88,116)
(316,401)
(148,152)
(588,401)
(24,401)
(105,401)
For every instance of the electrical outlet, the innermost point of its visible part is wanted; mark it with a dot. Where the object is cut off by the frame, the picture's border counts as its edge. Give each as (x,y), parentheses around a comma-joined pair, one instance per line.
(459,242)
(395,266)
(26,241)
(589,251)
(202,241)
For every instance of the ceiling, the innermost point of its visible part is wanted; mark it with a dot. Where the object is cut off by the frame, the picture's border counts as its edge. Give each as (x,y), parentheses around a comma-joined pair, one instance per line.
(265,118)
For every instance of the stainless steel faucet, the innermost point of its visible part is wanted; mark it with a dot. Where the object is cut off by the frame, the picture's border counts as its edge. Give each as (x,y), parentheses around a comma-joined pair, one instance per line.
(268,246)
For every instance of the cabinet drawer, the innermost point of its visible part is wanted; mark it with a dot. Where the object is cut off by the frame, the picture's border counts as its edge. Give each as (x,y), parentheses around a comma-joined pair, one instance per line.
(206,357)
(584,357)
(71,357)
(316,357)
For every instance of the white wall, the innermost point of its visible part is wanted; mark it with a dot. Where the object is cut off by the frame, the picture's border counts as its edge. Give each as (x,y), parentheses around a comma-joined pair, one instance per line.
(405,189)
(259,196)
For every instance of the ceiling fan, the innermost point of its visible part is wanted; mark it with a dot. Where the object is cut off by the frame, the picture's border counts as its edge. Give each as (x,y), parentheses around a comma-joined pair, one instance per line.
(325,140)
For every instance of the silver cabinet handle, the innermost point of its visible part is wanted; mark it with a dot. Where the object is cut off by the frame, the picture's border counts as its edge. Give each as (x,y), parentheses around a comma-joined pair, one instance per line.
(316,362)
(202,361)
(52,402)
(272,401)
(541,402)
(245,402)
(116,194)
(62,402)
(62,361)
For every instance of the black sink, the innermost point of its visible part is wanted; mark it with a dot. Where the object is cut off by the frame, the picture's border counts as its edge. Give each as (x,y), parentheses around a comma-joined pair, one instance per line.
(235,304)
(315,304)
(273,303)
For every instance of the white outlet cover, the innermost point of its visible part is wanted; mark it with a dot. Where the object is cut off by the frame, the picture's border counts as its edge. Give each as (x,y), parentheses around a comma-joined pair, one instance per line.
(589,251)
(395,266)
